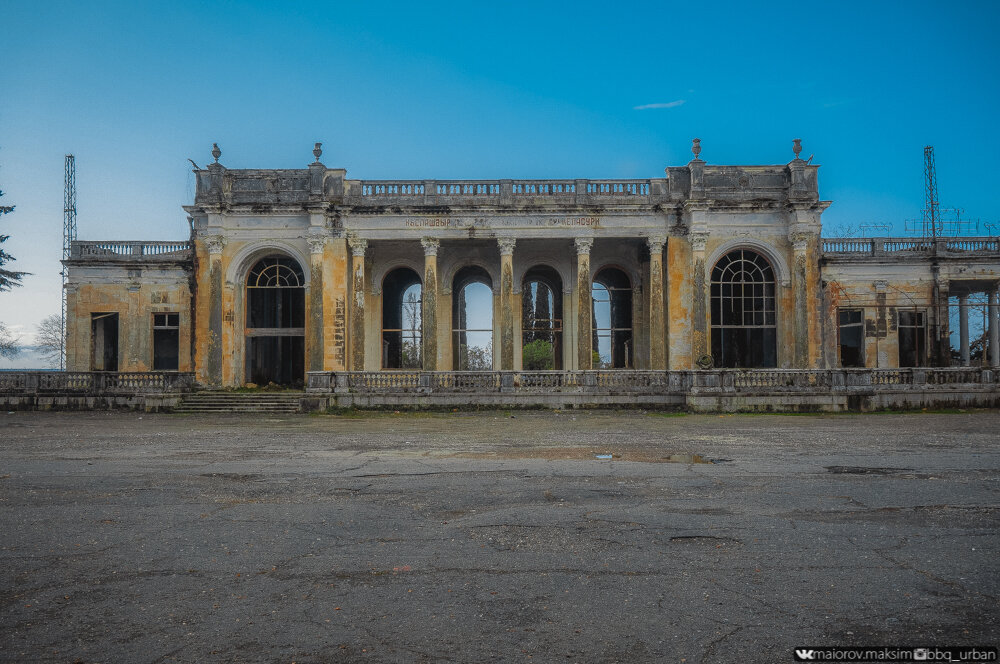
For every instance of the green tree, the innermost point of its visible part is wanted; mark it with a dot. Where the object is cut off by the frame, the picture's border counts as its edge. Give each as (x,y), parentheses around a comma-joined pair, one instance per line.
(537,355)
(8,278)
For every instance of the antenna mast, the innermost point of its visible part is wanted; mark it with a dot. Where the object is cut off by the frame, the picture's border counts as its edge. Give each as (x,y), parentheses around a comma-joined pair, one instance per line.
(69,236)
(931,210)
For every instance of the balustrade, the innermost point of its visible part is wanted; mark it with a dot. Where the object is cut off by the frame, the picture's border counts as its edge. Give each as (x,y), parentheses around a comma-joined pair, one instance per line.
(86,249)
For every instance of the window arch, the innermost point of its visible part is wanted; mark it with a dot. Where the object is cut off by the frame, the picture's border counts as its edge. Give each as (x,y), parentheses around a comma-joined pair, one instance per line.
(402,326)
(472,319)
(611,298)
(275,322)
(541,319)
(744,331)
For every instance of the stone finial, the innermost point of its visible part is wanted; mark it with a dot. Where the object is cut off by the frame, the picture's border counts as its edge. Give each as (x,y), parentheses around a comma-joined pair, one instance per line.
(318,151)
(696,147)
(506,245)
(796,146)
(216,152)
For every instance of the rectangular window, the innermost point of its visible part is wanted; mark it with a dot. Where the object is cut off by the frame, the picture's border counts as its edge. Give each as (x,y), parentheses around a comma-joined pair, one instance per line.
(852,338)
(166,341)
(912,339)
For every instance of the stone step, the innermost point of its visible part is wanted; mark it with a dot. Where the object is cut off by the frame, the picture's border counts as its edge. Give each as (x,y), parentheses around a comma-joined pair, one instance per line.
(237,402)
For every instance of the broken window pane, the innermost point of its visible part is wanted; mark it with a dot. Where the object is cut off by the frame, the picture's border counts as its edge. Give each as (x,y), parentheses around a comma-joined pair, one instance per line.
(611,298)
(743,311)
(912,339)
(166,341)
(852,338)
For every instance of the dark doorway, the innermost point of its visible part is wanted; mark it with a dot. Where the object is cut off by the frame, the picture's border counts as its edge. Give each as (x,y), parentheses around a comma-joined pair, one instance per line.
(401,322)
(611,296)
(104,342)
(166,341)
(541,319)
(275,322)
(852,338)
(744,332)
(912,339)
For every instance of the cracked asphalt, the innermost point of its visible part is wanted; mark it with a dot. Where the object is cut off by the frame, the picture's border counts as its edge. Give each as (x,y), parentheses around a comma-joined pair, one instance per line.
(487,537)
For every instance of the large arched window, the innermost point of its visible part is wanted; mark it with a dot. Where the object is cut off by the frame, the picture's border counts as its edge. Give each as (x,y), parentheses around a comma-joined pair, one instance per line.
(472,320)
(743,319)
(275,322)
(541,319)
(401,322)
(611,295)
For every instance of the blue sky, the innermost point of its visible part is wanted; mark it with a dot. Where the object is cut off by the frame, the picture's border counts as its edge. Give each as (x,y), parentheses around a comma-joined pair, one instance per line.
(476,90)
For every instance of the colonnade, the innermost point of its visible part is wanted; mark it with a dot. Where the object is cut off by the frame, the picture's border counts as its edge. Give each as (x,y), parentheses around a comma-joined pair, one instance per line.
(507,332)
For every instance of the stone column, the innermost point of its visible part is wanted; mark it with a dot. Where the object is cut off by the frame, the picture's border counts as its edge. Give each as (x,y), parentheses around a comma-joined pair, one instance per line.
(428,307)
(701,340)
(314,324)
(506,245)
(963,328)
(584,333)
(216,244)
(358,248)
(994,329)
(657,333)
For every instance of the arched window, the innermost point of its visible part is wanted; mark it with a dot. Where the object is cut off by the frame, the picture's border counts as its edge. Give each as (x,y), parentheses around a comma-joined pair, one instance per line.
(401,322)
(541,319)
(743,320)
(472,320)
(275,322)
(611,295)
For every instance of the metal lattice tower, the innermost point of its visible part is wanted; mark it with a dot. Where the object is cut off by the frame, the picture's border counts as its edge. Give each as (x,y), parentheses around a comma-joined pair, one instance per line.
(931,211)
(936,221)
(69,235)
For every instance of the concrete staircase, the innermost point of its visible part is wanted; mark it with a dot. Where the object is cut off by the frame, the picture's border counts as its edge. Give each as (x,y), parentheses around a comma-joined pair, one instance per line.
(240,402)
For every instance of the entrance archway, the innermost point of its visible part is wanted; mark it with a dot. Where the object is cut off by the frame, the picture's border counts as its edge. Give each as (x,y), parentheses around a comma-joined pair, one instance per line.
(401,324)
(541,319)
(472,320)
(275,322)
(611,295)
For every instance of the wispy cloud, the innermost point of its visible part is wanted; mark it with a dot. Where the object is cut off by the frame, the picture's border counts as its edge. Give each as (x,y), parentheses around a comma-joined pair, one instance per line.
(668,104)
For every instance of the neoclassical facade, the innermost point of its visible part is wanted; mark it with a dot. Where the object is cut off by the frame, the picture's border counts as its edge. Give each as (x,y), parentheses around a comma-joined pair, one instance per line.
(304,270)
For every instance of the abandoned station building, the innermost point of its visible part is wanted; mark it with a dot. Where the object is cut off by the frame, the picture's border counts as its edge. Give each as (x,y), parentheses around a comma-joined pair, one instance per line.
(293,271)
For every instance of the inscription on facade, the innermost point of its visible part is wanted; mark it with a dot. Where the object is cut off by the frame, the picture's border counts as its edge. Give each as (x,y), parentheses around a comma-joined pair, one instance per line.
(501,222)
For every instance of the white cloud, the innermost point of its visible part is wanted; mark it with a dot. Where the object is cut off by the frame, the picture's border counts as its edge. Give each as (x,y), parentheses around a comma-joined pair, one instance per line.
(669,104)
